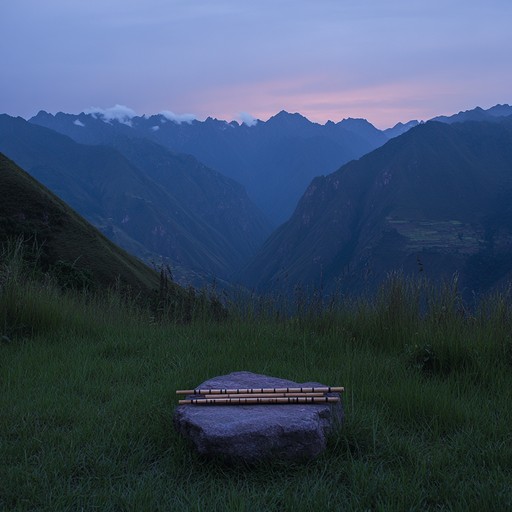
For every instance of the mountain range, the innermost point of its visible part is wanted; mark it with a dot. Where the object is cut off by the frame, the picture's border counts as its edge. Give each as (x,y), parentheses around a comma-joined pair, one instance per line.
(493,114)
(156,204)
(274,160)
(434,200)
(425,197)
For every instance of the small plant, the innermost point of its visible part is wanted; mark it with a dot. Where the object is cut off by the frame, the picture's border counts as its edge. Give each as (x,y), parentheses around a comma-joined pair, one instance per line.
(423,358)
(69,276)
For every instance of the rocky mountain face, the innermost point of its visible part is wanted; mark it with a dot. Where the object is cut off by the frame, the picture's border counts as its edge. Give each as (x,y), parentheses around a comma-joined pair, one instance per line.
(429,200)
(156,204)
(434,200)
(274,160)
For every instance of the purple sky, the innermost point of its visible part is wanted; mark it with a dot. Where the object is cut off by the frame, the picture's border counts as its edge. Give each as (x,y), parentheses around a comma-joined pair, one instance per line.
(388,61)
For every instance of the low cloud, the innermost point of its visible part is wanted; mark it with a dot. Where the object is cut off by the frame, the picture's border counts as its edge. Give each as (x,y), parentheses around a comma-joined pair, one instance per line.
(247,119)
(155,128)
(118,113)
(78,122)
(178,118)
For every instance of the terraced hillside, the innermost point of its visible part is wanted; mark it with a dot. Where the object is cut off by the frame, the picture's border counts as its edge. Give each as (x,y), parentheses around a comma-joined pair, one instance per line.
(434,200)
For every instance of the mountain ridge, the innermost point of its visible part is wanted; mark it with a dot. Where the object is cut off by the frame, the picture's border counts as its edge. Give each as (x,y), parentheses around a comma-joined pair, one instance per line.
(30,210)
(425,196)
(132,208)
(274,160)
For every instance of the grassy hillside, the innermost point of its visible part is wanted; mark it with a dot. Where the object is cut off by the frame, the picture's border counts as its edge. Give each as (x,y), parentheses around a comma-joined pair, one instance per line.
(153,203)
(63,237)
(86,404)
(65,250)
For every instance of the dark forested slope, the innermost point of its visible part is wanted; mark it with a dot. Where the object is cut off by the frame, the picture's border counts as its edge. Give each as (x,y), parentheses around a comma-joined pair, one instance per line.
(435,200)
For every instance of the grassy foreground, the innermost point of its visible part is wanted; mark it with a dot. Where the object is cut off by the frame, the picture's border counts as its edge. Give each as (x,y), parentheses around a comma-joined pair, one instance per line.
(87,397)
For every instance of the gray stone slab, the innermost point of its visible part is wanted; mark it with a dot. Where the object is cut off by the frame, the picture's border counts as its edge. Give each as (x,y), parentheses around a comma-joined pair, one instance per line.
(251,433)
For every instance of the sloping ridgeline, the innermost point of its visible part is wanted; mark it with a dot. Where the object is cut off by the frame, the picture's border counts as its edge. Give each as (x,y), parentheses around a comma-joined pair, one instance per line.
(153,203)
(274,160)
(431,202)
(30,210)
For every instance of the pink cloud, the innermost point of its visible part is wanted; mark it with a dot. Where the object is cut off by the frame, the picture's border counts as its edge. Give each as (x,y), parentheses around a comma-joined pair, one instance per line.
(382,104)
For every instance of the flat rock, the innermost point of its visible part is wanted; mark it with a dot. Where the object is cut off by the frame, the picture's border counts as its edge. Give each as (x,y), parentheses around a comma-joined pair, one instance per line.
(251,433)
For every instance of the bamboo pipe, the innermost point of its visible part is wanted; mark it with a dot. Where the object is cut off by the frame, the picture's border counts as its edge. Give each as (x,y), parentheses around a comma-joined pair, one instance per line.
(260,395)
(259,390)
(256,401)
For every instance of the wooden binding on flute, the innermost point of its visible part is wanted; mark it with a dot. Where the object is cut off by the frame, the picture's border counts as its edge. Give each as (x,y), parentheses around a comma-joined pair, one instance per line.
(259,390)
(260,395)
(255,401)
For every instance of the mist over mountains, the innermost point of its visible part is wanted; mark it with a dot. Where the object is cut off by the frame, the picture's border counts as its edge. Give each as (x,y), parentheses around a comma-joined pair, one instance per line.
(429,199)
(155,204)
(274,160)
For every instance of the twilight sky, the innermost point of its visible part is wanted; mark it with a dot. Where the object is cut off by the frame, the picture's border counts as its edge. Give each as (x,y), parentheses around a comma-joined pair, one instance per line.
(387,61)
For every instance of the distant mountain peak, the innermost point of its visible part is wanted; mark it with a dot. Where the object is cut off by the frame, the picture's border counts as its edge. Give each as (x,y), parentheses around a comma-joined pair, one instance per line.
(286,117)
(360,127)
(354,121)
(210,119)
(411,123)
(499,110)
(401,128)
(477,114)
(42,114)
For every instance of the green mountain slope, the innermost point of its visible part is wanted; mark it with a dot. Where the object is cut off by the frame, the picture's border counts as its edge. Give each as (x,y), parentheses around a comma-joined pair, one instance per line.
(435,200)
(151,202)
(29,209)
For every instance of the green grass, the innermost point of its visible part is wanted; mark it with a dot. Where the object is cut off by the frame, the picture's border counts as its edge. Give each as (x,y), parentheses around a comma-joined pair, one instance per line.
(87,397)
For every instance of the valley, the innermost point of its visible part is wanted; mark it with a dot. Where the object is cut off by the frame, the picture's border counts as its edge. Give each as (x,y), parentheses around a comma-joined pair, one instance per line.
(218,195)
(438,194)
(430,191)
